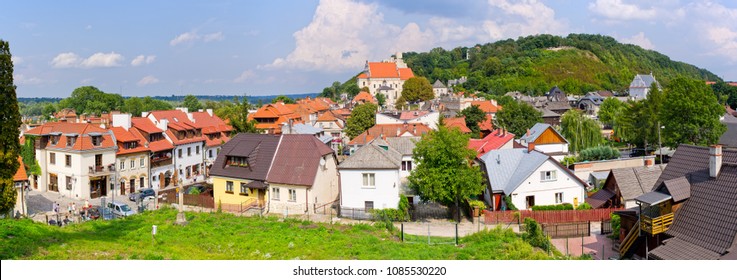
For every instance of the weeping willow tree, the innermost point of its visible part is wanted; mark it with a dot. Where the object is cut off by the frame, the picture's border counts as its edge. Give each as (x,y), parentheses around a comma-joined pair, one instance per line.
(581,132)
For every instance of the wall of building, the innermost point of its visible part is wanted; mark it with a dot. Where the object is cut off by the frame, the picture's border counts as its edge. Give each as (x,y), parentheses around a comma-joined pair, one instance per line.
(195,158)
(218,185)
(584,169)
(385,194)
(544,191)
(430,119)
(137,171)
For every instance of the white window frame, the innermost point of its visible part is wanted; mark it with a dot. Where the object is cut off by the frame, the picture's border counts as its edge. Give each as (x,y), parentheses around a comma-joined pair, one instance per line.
(558,197)
(143,162)
(292,195)
(548,176)
(133,163)
(122,164)
(229,186)
(369,180)
(275,195)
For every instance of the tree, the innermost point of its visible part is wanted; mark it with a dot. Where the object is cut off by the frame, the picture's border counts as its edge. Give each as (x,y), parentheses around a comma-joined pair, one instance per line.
(726,93)
(610,111)
(283,98)
(381,99)
(91,100)
(580,131)
(191,103)
(473,116)
(9,144)
(444,172)
(416,89)
(236,114)
(48,111)
(517,117)
(362,118)
(691,114)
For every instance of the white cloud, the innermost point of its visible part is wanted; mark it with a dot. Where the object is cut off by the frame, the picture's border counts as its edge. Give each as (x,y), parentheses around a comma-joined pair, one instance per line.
(20,79)
(148,80)
(617,10)
(248,74)
(16,60)
(521,18)
(217,36)
(66,60)
(86,81)
(640,40)
(184,38)
(98,60)
(142,59)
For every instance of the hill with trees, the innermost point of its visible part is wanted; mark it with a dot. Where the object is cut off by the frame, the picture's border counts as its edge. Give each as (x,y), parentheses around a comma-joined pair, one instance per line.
(577,63)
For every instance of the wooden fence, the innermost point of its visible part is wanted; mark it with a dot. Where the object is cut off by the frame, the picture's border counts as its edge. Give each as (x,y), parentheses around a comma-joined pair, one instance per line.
(549,217)
(202,200)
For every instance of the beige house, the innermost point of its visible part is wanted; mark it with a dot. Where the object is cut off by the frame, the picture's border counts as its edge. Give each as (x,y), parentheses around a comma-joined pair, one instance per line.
(386,77)
(133,159)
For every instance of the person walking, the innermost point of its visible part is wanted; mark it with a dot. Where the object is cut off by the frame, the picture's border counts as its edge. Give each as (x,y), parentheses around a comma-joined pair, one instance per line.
(74,208)
(69,208)
(55,207)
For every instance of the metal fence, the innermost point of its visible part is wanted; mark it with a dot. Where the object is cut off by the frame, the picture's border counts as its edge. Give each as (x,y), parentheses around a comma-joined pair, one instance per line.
(606,227)
(355,213)
(429,233)
(564,230)
(425,211)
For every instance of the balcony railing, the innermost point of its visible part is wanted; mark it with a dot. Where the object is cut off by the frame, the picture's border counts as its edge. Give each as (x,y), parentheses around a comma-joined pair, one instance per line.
(96,169)
(159,158)
(656,225)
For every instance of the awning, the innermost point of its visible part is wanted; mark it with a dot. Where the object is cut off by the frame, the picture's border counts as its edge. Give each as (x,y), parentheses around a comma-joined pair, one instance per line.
(599,198)
(256,185)
(653,198)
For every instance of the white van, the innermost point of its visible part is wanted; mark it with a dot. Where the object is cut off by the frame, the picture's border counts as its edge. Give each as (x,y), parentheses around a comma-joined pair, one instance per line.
(120,209)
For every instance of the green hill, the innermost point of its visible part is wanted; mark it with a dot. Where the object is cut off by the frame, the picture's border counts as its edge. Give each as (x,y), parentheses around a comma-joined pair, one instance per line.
(577,63)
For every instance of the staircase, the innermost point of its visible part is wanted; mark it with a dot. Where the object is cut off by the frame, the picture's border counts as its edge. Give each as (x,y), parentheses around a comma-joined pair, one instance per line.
(629,240)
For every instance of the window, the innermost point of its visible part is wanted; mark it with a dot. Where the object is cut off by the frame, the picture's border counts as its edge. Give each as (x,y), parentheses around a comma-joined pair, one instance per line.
(547,175)
(189,151)
(369,180)
(69,182)
(244,189)
(197,150)
(52,158)
(237,161)
(406,165)
(96,140)
(292,195)
(98,160)
(68,159)
(71,140)
(180,153)
(54,140)
(209,153)
(133,163)
(130,145)
(368,205)
(143,162)
(558,198)
(122,164)
(530,201)
(275,193)
(229,186)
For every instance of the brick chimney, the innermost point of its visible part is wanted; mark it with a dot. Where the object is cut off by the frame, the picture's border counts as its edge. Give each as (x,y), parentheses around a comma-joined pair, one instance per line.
(715,160)
(528,132)
(530,147)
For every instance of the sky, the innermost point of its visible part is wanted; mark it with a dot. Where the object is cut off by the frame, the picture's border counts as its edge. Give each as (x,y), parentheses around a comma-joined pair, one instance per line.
(149,48)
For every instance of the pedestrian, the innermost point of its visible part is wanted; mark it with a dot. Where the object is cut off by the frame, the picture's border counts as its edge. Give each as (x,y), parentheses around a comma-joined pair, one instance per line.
(55,207)
(69,208)
(86,204)
(74,208)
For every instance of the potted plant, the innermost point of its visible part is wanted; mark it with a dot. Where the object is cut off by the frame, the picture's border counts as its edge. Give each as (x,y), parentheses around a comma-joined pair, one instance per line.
(477,207)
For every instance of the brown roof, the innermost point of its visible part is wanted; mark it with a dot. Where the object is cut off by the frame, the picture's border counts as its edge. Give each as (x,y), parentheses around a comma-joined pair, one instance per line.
(297,160)
(708,218)
(260,150)
(679,188)
(132,135)
(635,181)
(599,198)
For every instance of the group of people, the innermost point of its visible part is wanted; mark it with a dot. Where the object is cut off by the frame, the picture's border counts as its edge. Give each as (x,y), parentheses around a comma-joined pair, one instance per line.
(71,211)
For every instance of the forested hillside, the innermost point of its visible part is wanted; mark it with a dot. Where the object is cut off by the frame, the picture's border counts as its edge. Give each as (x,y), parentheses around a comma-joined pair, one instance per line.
(577,63)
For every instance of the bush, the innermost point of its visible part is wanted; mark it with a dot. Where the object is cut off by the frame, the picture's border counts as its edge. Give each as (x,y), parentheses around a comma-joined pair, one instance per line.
(564,206)
(534,235)
(584,206)
(616,222)
(403,206)
(508,202)
(389,215)
(477,203)
(598,153)
(568,160)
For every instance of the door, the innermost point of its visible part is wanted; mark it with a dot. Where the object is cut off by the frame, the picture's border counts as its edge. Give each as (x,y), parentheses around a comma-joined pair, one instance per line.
(142,185)
(102,187)
(530,201)
(53,183)
(122,187)
(132,188)
(98,162)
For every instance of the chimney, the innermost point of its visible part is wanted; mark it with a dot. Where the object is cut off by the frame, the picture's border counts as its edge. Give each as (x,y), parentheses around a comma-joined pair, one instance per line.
(715,160)
(648,162)
(530,147)
(209,112)
(528,132)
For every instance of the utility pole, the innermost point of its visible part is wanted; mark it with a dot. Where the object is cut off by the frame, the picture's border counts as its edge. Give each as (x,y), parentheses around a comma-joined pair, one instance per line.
(660,147)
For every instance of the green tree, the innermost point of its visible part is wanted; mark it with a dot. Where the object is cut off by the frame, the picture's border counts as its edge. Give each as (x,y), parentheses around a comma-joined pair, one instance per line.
(727,94)
(283,98)
(191,103)
(9,144)
(133,105)
(333,91)
(362,118)
(151,104)
(610,111)
(598,153)
(91,100)
(517,117)
(445,172)
(473,116)
(381,99)
(580,131)
(48,111)
(236,114)
(691,114)
(416,89)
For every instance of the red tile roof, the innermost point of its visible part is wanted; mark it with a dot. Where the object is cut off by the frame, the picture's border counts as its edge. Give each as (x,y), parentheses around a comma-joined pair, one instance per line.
(318,104)
(405,74)
(82,130)
(132,135)
(389,130)
(145,125)
(174,116)
(212,126)
(409,115)
(20,174)
(486,125)
(486,106)
(278,111)
(460,123)
(364,97)
(493,141)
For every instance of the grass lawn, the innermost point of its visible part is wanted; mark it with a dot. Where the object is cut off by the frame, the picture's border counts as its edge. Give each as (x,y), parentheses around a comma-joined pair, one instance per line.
(225,236)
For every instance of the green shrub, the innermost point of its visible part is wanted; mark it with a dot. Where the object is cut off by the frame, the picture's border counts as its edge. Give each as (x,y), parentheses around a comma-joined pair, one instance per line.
(403,206)
(568,160)
(477,203)
(534,235)
(508,201)
(598,153)
(564,206)
(616,223)
(584,206)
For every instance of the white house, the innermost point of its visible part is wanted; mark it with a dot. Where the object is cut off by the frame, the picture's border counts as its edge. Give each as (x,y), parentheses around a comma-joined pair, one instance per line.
(215,131)
(530,178)
(133,160)
(333,126)
(76,159)
(386,77)
(370,179)
(188,143)
(640,86)
(544,138)
(405,146)
(439,89)
(161,163)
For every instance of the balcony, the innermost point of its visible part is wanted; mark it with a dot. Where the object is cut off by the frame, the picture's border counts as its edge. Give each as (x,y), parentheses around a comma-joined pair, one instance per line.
(100,169)
(157,161)
(655,225)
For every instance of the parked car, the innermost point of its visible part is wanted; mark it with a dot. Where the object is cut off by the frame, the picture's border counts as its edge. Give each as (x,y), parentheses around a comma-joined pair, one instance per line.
(142,194)
(95,212)
(120,209)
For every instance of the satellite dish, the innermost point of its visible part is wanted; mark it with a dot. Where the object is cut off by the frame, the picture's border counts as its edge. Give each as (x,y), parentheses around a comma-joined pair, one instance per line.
(168,154)
(322,162)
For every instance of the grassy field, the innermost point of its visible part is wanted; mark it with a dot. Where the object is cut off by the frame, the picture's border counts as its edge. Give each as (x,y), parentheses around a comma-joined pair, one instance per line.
(224,236)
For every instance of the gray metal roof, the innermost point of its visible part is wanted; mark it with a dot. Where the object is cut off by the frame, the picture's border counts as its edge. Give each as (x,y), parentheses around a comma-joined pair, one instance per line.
(729,138)
(653,198)
(508,168)
(301,128)
(373,156)
(600,175)
(438,84)
(403,145)
(641,80)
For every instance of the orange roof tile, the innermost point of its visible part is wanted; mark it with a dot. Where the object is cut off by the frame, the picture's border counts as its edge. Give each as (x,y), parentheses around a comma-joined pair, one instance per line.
(363,97)
(132,135)
(460,123)
(173,116)
(493,141)
(20,174)
(486,106)
(362,76)
(486,125)
(389,130)
(408,115)
(405,74)
(145,125)
(327,117)
(82,130)
(383,70)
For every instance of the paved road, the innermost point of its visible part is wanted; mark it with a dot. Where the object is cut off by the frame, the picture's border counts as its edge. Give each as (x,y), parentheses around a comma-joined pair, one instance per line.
(40,203)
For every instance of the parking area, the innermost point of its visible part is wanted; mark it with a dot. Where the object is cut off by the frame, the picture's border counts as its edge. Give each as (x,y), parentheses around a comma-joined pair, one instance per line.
(40,204)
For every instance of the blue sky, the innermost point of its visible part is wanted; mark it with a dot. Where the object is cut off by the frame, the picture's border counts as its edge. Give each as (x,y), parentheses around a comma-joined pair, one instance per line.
(143,48)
